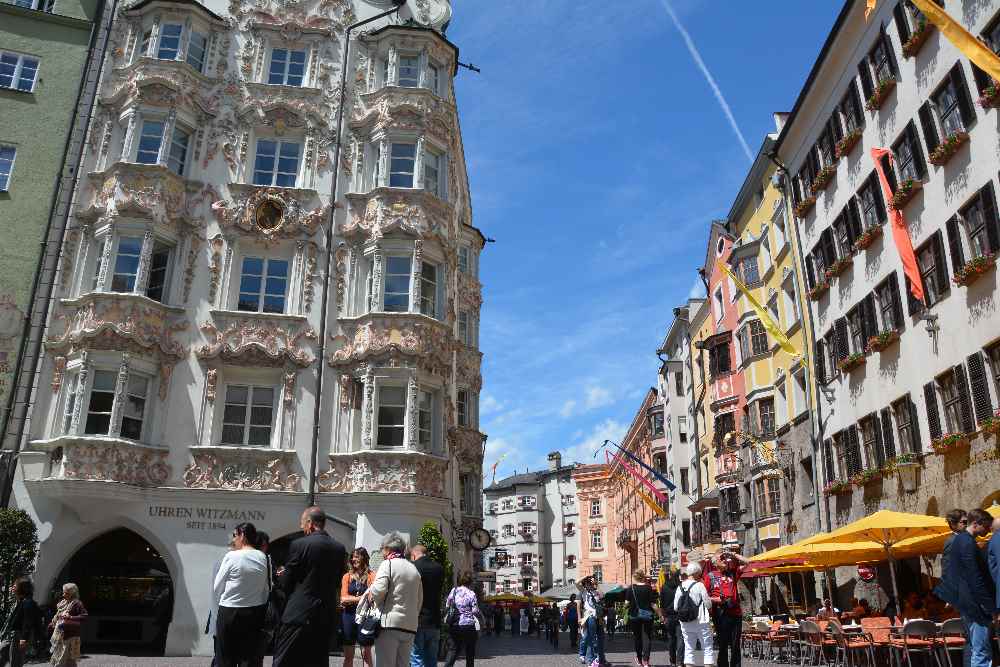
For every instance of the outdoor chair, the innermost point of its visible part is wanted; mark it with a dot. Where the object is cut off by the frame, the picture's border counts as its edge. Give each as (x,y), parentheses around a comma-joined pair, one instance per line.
(917,638)
(952,639)
(813,644)
(777,642)
(850,647)
(760,630)
(879,630)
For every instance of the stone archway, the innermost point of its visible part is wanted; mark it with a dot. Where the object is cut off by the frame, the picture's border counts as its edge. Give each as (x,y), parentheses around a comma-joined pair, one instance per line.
(126,585)
(992,499)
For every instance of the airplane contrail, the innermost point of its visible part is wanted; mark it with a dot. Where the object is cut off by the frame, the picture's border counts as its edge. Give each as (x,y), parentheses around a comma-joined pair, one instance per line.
(708,77)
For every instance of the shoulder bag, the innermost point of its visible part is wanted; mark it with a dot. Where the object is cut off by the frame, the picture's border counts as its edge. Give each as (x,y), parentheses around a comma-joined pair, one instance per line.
(370,625)
(451,615)
(640,613)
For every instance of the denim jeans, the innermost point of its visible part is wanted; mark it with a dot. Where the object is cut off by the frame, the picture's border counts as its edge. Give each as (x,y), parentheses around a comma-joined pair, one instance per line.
(425,648)
(978,650)
(594,643)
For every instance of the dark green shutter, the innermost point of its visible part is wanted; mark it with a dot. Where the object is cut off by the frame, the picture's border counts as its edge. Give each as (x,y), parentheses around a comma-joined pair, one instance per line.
(979,380)
(843,339)
(902,27)
(964,400)
(879,449)
(988,196)
(965,107)
(867,86)
(955,243)
(918,152)
(916,445)
(931,138)
(897,306)
(930,403)
(888,439)
(940,265)
(820,360)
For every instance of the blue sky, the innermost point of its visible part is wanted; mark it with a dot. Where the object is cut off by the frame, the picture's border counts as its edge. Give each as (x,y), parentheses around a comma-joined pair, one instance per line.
(598,153)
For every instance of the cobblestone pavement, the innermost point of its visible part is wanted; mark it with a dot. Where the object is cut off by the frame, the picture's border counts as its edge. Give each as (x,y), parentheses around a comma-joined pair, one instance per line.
(503,651)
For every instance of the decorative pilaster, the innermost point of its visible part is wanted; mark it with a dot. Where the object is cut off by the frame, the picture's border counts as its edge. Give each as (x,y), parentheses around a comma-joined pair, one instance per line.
(154,36)
(368,409)
(393,67)
(102,156)
(129,136)
(83,377)
(183,46)
(418,165)
(83,254)
(288,383)
(121,389)
(105,261)
(211,382)
(145,257)
(383,164)
(416,289)
(422,78)
(376,295)
(412,414)
(168,133)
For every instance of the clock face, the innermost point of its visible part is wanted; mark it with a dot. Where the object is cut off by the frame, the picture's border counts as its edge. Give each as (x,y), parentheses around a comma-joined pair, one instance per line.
(479,539)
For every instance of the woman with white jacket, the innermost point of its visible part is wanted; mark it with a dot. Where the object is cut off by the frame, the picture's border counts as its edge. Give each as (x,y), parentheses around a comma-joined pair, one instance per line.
(397,593)
(698,629)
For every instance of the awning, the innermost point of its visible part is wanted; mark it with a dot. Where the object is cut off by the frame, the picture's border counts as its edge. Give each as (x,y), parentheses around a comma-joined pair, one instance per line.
(708,501)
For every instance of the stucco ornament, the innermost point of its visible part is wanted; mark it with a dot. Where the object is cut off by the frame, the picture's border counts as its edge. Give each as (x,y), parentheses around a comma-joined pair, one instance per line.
(242,470)
(115,462)
(432,13)
(466,444)
(270,214)
(429,345)
(149,191)
(384,472)
(256,343)
(384,211)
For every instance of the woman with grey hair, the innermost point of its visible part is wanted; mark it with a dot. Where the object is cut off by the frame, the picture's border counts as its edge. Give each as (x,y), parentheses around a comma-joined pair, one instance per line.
(695,629)
(398,593)
(65,627)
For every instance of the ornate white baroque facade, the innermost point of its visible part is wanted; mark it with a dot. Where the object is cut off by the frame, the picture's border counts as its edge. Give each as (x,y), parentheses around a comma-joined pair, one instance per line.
(183,352)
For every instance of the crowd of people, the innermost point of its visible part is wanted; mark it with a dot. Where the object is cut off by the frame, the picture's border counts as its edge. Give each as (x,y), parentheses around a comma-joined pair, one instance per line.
(26,625)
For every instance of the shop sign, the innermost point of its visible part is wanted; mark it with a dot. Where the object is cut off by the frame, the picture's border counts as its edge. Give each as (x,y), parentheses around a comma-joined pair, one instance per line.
(206,518)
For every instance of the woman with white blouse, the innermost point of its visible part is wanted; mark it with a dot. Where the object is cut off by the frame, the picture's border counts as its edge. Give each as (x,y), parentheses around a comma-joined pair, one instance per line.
(698,629)
(241,587)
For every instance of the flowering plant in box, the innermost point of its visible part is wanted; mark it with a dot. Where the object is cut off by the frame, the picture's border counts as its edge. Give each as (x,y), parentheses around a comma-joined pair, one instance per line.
(803,206)
(851,361)
(866,476)
(881,92)
(867,237)
(823,178)
(948,147)
(879,342)
(974,268)
(950,442)
(837,487)
(816,292)
(906,458)
(991,425)
(839,266)
(991,96)
(904,193)
(845,145)
(917,39)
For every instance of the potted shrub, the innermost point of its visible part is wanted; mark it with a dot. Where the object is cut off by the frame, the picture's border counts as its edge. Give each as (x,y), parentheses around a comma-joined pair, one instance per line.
(866,477)
(819,290)
(917,39)
(867,238)
(823,178)
(879,342)
(845,145)
(880,94)
(975,267)
(990,97)
(950,442)
(839,266)
(804,207)
(837,487)
(851,361)
(991,425)
(948,147)
(905,192)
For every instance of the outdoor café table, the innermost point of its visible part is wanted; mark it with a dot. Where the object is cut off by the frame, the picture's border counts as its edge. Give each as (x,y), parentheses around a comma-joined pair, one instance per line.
(793,631)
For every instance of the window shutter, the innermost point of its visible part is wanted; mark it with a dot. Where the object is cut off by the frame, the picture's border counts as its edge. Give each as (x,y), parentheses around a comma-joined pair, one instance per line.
(899,17)
(964,98)
(843,340)
(940,264)
(919,162)
(914,427)
(820,363)
(859,116)
(887,434)
(988,196)
(854,223)
(890,171)
(879,452)
(853,451)
(980,387)
(930,402)
(931,138)
(890,53)
(829,468)
(897,306)
(867,87)
(954,242)
(835,128)
(982,79)
(868,317)
(964,400)
(810,272)
(913,306)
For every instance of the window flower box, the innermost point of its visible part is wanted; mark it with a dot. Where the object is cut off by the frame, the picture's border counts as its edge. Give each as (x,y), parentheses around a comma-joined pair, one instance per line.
(837,488)
(917,39)
(948,147)
(950,442)
(819,290)
(973,269)
(867,238)
(845,145)
(823,178)
(839,267)
(804,207)
(882,91)
(881,341)
(991,425)
(990,98)
(904,193)
(851,361)
(866,477)
(906,465)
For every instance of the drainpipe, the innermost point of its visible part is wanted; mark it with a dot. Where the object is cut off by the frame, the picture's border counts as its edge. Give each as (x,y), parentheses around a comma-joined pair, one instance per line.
(7,483)
(331,224)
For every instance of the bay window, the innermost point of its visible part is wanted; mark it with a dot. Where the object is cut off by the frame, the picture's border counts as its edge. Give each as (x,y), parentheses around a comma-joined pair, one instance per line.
(434,78)
(263,285)
(104,393)
(248,416)
(396,297)
(150,148)
(402,165)
(464,330)
(170,41)
(391,416)
(428,289)
(425,419)
(434,173)
(159,271)
(150,142)
(276,162)
(409,71)
(100,404)
(174,42)
(287,67)
(124,262)
(197,47)
(464,259)
(462,407)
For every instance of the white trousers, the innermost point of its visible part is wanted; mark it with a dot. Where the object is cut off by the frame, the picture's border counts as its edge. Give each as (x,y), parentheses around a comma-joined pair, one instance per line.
(694,632)
(393,648)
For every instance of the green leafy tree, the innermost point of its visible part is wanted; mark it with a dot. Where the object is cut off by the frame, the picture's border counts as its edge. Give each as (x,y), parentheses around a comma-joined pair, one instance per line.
(437,549)
(18,552)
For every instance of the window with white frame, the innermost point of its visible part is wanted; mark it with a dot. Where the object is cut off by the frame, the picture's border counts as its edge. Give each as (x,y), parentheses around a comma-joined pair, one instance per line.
(248,416)
(462,407)
(799,392)
(464,263)
(396,294)
(596,539)
(263,285)
(979,224)
(464,329)
(434,77)
(7,155)
(595,508)
(507,504)
(409,71)
(287,68)
(197,46)
(429,289)
(123,270)
(40,5)
(150,148)
(434,173)
(100,400)
(160,266)
(18,71)
(277,162)
(527,559)
(507,530)
(169,42)
(391,416)
(780,237)
(402,164)
(425,419)
(952,104)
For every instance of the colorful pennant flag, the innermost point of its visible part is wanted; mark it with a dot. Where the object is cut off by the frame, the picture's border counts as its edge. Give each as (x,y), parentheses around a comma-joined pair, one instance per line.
(637,475)
(493,468)
(964,41)
(659,476)
(765,317)
(900,234)
(650,502)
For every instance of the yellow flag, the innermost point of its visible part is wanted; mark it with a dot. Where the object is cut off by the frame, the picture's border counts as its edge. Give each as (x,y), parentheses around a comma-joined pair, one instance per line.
(765,317)
(652,504)
(964,41)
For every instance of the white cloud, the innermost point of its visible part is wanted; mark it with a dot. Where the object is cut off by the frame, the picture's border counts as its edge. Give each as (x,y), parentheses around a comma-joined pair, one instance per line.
(697,290)
(583,450)
(597,397)
(566,411)
(488,404)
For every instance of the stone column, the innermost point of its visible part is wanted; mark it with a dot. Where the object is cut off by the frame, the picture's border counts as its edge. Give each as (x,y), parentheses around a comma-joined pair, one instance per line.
(393,71)
(118,406)
(104,261)
(368,409)
(129,137)
(415,286)
(83,376)
(418,165)
(376,296)
(145,258)
(412,413)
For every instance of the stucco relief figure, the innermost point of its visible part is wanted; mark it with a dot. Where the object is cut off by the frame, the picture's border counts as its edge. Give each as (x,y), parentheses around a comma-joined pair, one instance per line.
(266,344)
(240,471)
(386,474)
(115,462)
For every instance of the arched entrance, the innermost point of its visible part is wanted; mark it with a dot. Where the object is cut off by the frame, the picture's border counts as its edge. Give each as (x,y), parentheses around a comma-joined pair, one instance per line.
(127,589)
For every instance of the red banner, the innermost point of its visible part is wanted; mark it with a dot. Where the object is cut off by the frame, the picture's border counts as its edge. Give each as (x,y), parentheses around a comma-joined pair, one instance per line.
(900,234)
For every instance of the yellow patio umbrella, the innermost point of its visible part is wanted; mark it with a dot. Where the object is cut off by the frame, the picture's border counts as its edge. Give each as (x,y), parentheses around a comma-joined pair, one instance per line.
(934,544)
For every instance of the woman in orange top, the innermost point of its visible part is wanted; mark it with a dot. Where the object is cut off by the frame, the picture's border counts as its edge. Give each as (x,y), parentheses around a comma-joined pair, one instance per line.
(354,584)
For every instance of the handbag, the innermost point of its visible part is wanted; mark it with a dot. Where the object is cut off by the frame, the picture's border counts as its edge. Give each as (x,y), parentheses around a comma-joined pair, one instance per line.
(275,608)
(451,615)
(369,620)
(640,613)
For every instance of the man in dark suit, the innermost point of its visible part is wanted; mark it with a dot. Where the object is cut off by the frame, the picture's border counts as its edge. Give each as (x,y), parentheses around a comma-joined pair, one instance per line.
(311,583)
(993,558)
(966,584)
(425,646)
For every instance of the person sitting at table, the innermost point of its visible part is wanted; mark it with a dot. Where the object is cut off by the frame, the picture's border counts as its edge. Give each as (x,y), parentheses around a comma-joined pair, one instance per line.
(914,606)
(935,607)
(828,611)
(857,610)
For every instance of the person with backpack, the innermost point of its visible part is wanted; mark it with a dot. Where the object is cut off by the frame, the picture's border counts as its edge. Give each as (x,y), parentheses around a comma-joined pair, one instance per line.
(641,600)
(671,626)
(592,645)
(722,585)
(691,602)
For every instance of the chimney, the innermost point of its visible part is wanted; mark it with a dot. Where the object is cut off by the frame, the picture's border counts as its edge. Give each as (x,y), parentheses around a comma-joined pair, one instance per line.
(555,460)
